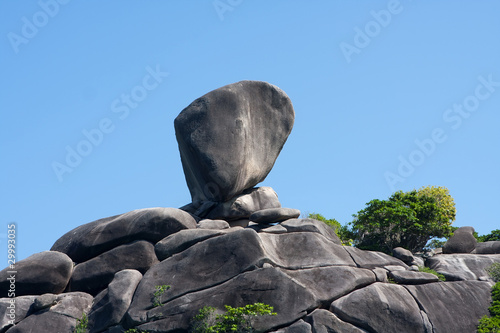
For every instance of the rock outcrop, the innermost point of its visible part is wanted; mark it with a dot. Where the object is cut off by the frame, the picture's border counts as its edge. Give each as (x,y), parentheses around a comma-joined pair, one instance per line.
(153,269)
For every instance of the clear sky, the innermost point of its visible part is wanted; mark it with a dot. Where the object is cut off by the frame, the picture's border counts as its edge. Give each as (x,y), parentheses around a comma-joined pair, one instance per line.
(389,95)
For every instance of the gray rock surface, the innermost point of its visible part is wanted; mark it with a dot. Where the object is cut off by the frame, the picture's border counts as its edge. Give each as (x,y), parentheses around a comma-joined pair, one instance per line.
(381,307)
(453,306)
(274,215)
(182,240)
(310,225)
(13,310)
(462,241)
(410,277)
(243,205)
(330,283)
(59,316)
(230,138)
(213,224)
(323,321)
(491,247)
(40,273)
(94,275)
(299,326)
(111,304)
(457,267)
(151,224)
(290,300)
(373,259)
(403,254)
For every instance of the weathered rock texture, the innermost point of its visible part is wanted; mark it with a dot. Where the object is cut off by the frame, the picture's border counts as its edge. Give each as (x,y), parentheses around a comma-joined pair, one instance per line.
(298,266)
(230,138)
(211,254)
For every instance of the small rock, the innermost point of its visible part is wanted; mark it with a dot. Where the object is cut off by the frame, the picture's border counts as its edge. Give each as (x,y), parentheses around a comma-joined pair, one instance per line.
(213,224)
(403,254)
(274,215)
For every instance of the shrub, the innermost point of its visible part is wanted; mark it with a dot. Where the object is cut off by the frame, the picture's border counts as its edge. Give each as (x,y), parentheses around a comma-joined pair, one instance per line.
(81,324)
(233,320)
(159,291)
(430,270)
(491,324)
(135,330)
(494,271)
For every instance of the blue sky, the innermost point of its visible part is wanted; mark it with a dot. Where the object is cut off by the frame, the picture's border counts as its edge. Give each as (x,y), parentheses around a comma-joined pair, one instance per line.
(388,95)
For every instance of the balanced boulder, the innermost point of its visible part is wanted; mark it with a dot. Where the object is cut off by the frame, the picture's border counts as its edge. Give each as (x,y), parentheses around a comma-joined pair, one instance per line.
(230,138)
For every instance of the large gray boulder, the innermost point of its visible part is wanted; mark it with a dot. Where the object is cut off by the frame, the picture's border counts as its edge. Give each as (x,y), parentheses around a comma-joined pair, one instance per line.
(111,304)
(230,138)
(462,241)
(403,254)
(40,273)
(457,267)
(382,307)
(151,224)
(453,306)
(491,247)
(311,225)
(55,313)
(94,275)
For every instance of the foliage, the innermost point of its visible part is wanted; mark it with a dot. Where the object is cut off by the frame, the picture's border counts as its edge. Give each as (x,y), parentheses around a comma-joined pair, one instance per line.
(159,291)
(345,235)
(81,324)
(135,330)
(430,270)
(491,324)
(435,243)
(494,271)
(406,219)
(233,320)
(494,235)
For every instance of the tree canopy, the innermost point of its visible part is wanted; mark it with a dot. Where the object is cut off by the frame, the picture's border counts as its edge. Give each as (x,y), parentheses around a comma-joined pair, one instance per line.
(406,219)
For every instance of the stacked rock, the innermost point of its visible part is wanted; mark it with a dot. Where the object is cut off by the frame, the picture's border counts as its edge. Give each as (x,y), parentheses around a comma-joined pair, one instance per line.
(229,140)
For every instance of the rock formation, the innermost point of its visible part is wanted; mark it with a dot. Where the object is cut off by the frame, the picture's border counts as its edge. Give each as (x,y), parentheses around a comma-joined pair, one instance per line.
(237,246)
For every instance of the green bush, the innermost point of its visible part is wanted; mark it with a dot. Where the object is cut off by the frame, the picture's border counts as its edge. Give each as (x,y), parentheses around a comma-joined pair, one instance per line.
(491,324)
(135,330)
(159,291)
(430,270)
(233,320)
(81,324)
(494,271)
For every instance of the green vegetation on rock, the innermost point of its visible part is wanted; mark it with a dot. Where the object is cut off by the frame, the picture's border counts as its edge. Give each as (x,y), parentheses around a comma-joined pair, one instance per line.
(342,231)
(430,270)
(491,324)
(233,320)
(159,291)
(81,324)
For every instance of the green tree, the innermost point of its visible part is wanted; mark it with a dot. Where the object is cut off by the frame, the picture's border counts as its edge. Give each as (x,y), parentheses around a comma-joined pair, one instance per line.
(494,235)
(345,235)
(406,219)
